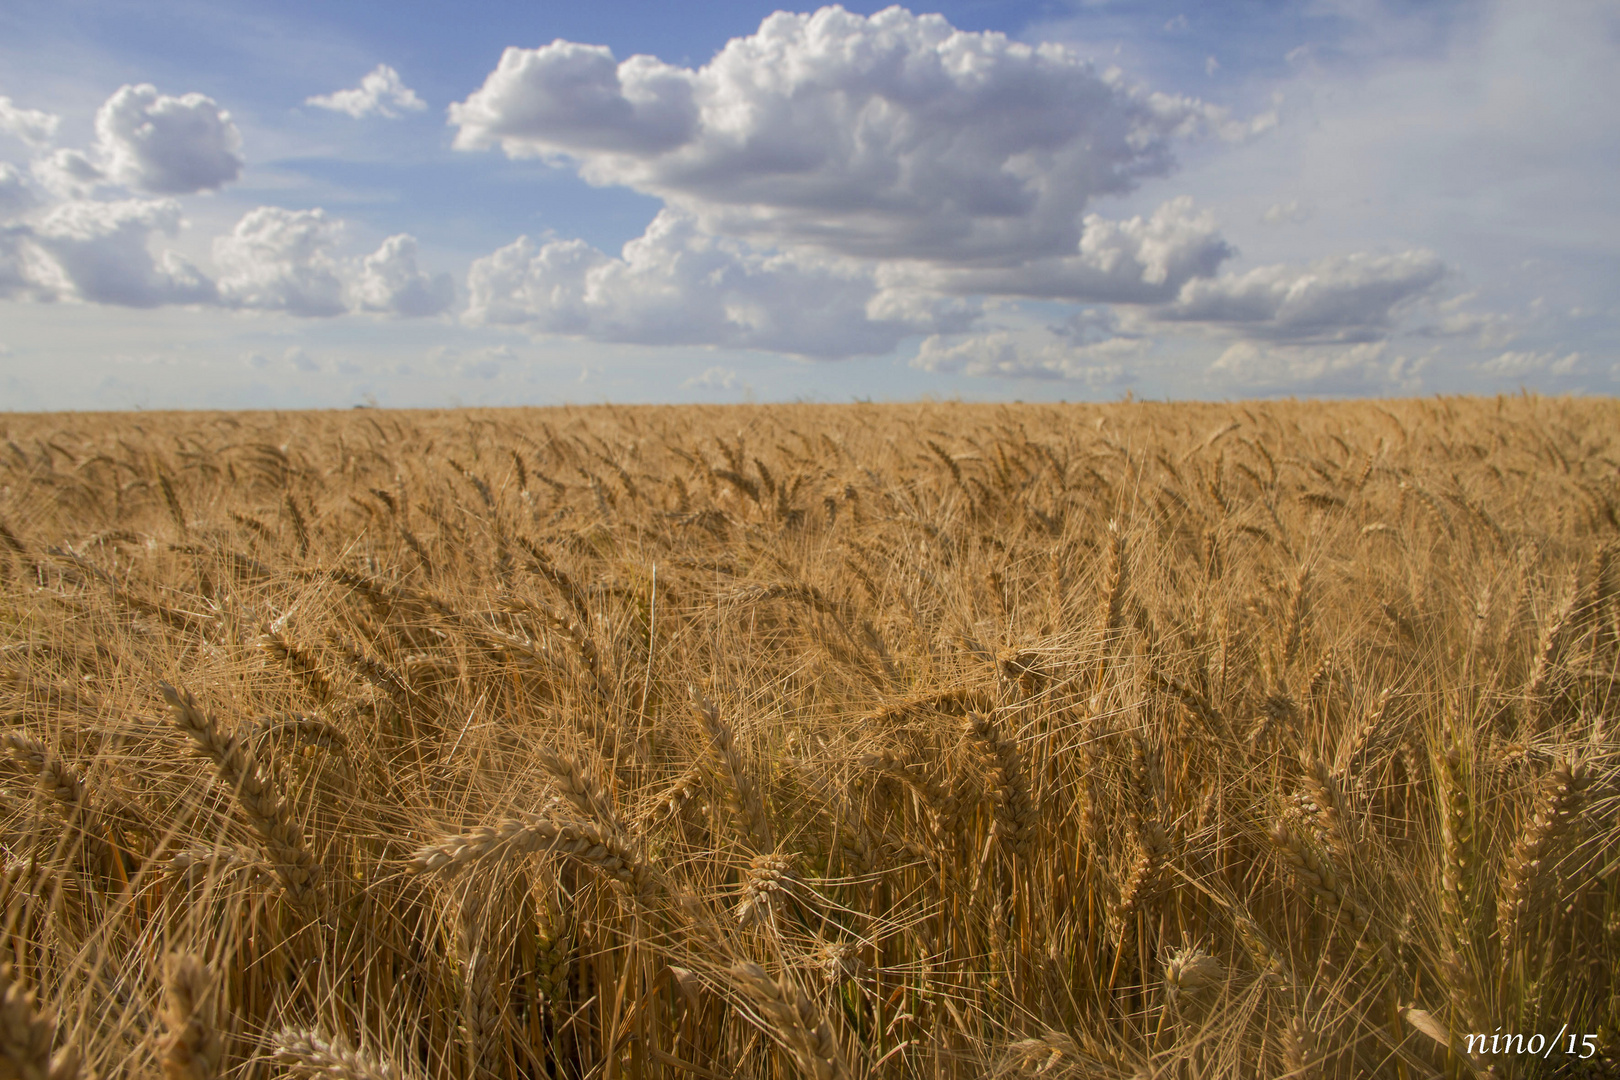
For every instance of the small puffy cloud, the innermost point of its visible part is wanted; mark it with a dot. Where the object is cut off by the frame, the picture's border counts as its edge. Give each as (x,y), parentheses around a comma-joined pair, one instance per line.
(678,285)
(280,260)
(67,174)
(1351,298)
(15,196)
(1286,213)
(891,137)
(167,145)
(100,251)
(1026,354)
(1138,260)
(390,282)
(715,378)
(381,92)
(1490,329)
(299,358)
(1366,368)
(30,125)
(1516,364)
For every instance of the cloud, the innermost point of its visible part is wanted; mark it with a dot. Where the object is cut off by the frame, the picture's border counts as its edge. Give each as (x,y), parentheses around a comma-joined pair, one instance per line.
(894,137)
(67,174)
(1514,364)
(1026,354)
(31,126)
(677,285)
(1365,368)
(280,260)
(15,196)
(167,145)
(380,92)
(299,358)
(1286,213)
(100,251)
(715,378)
(1138,260)
(1350,298)
(389,282)
(15,279)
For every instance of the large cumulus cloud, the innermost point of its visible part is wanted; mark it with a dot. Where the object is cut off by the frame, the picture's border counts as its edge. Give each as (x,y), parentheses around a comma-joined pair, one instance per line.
(677,284)
(1342,299)
(100,251)
(167,145)
(286,260)
(889,137)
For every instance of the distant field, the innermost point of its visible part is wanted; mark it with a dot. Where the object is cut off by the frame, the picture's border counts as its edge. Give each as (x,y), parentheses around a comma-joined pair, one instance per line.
(854,741)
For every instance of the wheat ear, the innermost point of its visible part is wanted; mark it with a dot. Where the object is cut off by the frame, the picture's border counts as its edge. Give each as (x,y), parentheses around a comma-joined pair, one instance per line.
(1015,807)
(311,1056)
(796,1022)
(741,794)
(583,841)
(239,769)
(27,1034)
(193,1049)
(1558,802)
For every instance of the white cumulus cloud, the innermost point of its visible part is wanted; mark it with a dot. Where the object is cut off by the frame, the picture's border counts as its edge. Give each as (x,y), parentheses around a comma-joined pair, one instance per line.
(167,145)
(67,174)
(1138,260)
(893,136)
(287,260)
(101,252)
(1365,368)
(1350,298)
(30,125)
(679,285)
(1032,354)
(390,282)
(381,91)
(281,260)
(1513,364)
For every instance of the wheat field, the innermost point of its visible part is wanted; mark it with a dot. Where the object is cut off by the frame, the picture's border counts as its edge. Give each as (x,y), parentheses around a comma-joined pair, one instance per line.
(835,742)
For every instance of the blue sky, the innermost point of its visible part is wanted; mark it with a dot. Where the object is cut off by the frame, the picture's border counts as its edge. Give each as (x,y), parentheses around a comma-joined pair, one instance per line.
(232,205)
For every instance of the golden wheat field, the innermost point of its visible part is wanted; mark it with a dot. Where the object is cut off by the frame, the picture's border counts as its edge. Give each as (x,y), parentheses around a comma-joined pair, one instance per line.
(835,742)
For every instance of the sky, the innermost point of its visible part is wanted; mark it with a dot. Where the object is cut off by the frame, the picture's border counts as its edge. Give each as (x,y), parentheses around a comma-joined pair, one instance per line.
(225,204)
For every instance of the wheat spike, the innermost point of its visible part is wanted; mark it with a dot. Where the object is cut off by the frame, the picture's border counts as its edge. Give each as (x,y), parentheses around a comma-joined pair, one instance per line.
(300,874)
(27,1035)
(795,1021)
(193,1048)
